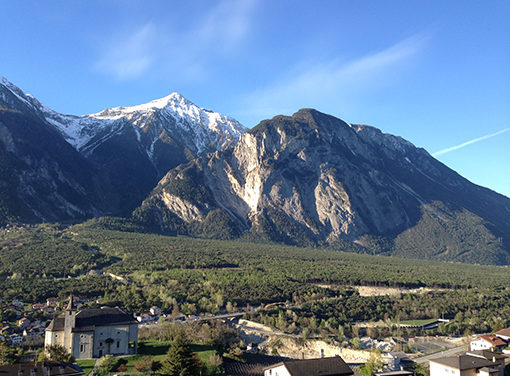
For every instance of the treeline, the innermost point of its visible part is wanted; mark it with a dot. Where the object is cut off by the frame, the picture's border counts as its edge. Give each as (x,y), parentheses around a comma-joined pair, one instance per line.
(193,276)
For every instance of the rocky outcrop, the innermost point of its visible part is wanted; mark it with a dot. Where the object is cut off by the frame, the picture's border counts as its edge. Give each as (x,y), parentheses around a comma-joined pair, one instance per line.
(314,179)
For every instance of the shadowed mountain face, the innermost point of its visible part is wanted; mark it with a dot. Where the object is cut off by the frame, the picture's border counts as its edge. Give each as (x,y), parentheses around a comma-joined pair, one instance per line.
(314,179)
(57,167)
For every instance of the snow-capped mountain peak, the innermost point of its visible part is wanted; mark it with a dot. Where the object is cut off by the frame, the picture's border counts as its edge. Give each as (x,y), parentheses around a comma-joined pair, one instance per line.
(195,128)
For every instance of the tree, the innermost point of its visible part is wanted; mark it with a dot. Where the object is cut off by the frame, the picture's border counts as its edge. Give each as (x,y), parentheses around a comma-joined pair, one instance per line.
(180,360)
(374,364)
(107,363)
(7,354)
(144,364)
(57,353)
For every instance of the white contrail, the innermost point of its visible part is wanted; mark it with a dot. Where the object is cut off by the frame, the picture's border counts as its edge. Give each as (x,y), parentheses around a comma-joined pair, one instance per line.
(447,150)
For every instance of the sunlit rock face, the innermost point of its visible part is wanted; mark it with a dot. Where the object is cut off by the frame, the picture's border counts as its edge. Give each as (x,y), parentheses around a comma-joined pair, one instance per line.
(311,178)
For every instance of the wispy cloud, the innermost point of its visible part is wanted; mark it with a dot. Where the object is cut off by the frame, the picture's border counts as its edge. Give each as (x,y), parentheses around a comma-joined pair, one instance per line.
(464,144)
(320,84)
(183,50)
(227,23)
(129,57)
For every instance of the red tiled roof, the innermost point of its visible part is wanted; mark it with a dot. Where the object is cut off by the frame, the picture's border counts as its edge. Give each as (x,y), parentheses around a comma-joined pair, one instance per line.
(493,340)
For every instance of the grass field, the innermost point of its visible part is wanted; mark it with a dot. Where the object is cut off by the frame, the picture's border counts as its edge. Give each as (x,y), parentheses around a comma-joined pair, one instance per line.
(156,350)
(86,365)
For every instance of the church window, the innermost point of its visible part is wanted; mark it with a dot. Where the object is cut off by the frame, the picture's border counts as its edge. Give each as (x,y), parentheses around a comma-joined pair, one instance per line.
(100,343)
(118,344)
(81,348)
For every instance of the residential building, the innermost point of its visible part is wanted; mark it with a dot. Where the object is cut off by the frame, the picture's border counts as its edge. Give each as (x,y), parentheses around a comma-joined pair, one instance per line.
(155,311)
(487,342)
(52,302)
(332,366)
(463,365)
(24,323)
(504,334)
(92,333)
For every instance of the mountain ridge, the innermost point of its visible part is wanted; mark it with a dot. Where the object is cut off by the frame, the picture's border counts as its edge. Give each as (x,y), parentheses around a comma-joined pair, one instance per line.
(130,148)
(305,179)
(313,179)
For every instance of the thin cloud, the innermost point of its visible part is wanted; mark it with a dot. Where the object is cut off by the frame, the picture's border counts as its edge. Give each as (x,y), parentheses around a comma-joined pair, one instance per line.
(130,57)
(168,49)
(322,84)
(456,147)
(227,23)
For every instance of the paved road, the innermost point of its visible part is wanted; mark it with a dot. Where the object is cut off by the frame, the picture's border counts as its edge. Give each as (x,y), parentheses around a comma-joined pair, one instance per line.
(441,354)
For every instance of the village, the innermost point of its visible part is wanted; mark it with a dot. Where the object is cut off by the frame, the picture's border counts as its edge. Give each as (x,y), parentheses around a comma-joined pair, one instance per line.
(90,335)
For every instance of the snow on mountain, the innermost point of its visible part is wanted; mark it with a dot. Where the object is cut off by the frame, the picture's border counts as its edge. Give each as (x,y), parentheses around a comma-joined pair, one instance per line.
(198,129)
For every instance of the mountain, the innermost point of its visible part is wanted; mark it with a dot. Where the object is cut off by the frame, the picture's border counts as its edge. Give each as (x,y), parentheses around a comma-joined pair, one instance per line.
(313,179)
(42,177)
(125,150)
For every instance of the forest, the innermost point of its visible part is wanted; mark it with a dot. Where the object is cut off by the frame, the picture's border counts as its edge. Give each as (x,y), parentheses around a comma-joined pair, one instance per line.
(201,276)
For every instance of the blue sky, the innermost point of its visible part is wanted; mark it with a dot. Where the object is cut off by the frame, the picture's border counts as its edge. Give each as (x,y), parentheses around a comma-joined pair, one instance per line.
(434,72)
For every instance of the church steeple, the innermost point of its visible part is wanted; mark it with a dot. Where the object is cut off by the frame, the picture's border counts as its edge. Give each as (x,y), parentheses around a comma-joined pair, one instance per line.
(69,324)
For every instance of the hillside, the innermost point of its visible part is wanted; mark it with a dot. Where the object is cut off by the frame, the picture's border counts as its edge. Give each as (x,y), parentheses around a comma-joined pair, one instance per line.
(312,179)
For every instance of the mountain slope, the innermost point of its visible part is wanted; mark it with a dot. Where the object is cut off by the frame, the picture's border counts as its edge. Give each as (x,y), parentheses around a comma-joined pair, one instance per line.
(41,176)
(129,149)
(314,179)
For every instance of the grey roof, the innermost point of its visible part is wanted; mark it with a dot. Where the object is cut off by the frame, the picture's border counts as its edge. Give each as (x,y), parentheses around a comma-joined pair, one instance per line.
(251,364)
(463,362)
(487,354)
(87,319)
(321,366)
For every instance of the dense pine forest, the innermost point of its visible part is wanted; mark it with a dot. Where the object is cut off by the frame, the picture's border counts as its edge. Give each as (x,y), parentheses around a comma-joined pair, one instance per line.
(201,276)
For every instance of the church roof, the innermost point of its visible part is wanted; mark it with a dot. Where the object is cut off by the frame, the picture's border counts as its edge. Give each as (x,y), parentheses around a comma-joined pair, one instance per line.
(87,319)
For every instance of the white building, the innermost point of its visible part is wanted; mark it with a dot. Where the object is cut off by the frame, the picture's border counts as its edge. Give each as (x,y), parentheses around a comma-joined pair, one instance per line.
(93,333)
(487,342)
(463,365)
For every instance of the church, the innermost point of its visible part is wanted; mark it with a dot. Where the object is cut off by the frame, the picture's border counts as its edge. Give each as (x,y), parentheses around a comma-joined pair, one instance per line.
(92,333)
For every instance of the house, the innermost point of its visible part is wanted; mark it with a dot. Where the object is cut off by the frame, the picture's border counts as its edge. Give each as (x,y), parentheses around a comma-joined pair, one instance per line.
(504,334)
(155,311)
(32,337)
(41,369)
(145,318)
(16,339)
(487,342)
(24,323)
(463,365)
(250,364)
(332,366)
(38,306)
(52,302)
(496,357)
(92,333)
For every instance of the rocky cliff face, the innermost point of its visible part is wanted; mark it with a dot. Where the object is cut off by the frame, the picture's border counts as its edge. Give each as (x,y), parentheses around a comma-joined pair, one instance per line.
(314,179)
